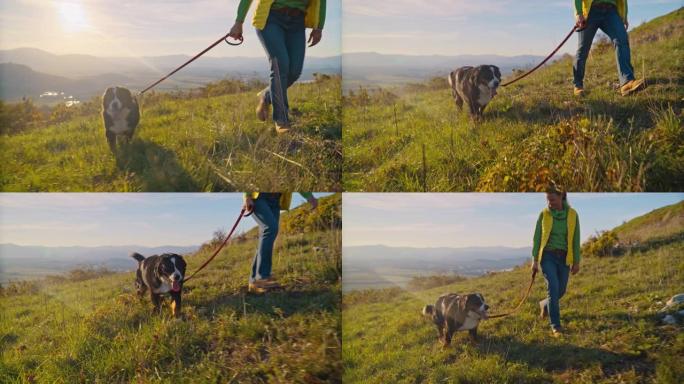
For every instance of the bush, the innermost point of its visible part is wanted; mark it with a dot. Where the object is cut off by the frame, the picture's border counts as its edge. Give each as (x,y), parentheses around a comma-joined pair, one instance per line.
(602,244)
(231,86)
(16,118)
(427,282)
(327,216)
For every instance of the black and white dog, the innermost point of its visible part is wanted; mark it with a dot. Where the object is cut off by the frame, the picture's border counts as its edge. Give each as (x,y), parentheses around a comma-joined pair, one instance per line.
(120,113)
(476,86)
(453,312)
(161,274)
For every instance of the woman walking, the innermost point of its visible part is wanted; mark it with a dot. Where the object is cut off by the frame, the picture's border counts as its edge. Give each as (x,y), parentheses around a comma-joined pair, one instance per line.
(266,209)
(280,26)
(610,16)
(557,249)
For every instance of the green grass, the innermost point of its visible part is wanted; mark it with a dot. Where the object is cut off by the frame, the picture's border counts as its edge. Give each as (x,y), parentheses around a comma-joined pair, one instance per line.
(97,330)
(186,144)
(534,132)
(609,311)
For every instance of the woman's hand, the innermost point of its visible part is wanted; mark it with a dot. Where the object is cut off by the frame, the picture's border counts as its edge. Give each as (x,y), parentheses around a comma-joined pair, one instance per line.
(581,22)
(575,268)
(315,37)
(248,206)
(314,202)
(236,31)
(535,267)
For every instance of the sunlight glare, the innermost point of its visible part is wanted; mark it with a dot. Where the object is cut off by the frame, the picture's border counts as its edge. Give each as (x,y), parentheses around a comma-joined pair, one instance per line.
(73,16)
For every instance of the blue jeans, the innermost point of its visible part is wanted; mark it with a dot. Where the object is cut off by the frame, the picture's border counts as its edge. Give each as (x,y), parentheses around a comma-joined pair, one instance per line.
(284,40)
(612,25)
(267,215)
(556,273)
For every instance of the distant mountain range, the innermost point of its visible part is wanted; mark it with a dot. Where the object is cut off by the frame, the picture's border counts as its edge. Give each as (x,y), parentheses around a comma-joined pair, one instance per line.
(29,72)
(370,68)
(36,71)
(18,262)
(378,266)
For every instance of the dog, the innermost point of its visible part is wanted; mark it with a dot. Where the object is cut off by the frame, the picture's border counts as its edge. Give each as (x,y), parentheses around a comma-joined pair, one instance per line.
(453,312)
(161,274)
(476,86)
(120,113)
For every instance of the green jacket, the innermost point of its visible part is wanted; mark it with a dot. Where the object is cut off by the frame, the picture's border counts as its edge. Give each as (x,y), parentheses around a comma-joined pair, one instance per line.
(313,9)
(558,230)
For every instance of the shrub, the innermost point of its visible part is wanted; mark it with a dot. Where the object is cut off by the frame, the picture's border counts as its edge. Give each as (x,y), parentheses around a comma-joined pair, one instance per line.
(427,282)
(602,244)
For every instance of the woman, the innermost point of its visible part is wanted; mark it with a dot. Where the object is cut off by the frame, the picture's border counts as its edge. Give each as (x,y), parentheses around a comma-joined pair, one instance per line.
(280,26)
(266,208)
(610,16)
(557,249)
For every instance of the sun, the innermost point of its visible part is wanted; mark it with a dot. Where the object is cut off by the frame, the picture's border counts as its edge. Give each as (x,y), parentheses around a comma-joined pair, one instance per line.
(72,15)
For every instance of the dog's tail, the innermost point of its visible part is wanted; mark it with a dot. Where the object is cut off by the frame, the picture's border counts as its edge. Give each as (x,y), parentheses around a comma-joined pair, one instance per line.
(428,310)
(452,83)
(140,258)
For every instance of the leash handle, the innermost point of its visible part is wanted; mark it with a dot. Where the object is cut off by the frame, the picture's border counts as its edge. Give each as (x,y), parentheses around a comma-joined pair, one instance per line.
(197,56)
(239,41)
(220,247)
(574,28)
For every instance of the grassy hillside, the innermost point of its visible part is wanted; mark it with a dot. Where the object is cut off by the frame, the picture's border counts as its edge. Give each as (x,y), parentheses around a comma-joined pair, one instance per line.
(534,131)
(662,223)
(97,330)
(185,142)
(614,332)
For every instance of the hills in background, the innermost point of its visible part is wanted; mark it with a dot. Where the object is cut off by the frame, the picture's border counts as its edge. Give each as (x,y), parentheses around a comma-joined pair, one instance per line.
(19,262)
(29,72)
(371,68)
(379,266)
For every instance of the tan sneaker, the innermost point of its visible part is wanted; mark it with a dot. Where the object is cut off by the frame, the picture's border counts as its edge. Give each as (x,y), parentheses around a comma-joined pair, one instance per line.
(632,86)
(263,109)
(579,92)
(262,286)
(557,332)
(282,127)
(256,288)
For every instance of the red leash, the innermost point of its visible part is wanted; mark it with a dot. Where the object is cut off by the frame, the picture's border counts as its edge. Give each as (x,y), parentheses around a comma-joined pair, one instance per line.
(216,252)
(224,38)
(574,28)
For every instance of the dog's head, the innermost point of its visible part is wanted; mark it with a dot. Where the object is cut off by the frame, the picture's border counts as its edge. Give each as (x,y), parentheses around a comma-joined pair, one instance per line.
(489,75)
(115,99)
(171,270)
(474,303)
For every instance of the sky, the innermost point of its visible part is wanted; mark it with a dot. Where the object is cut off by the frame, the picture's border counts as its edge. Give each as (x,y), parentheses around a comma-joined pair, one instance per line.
(98,219)
(478,219)
(456,27)
(135,28)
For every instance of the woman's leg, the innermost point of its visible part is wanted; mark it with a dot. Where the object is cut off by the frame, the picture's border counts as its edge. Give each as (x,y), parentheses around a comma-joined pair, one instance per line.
(267,215)
(613,26)
(550,270)
(584,39)
(296,48)
(272,38)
